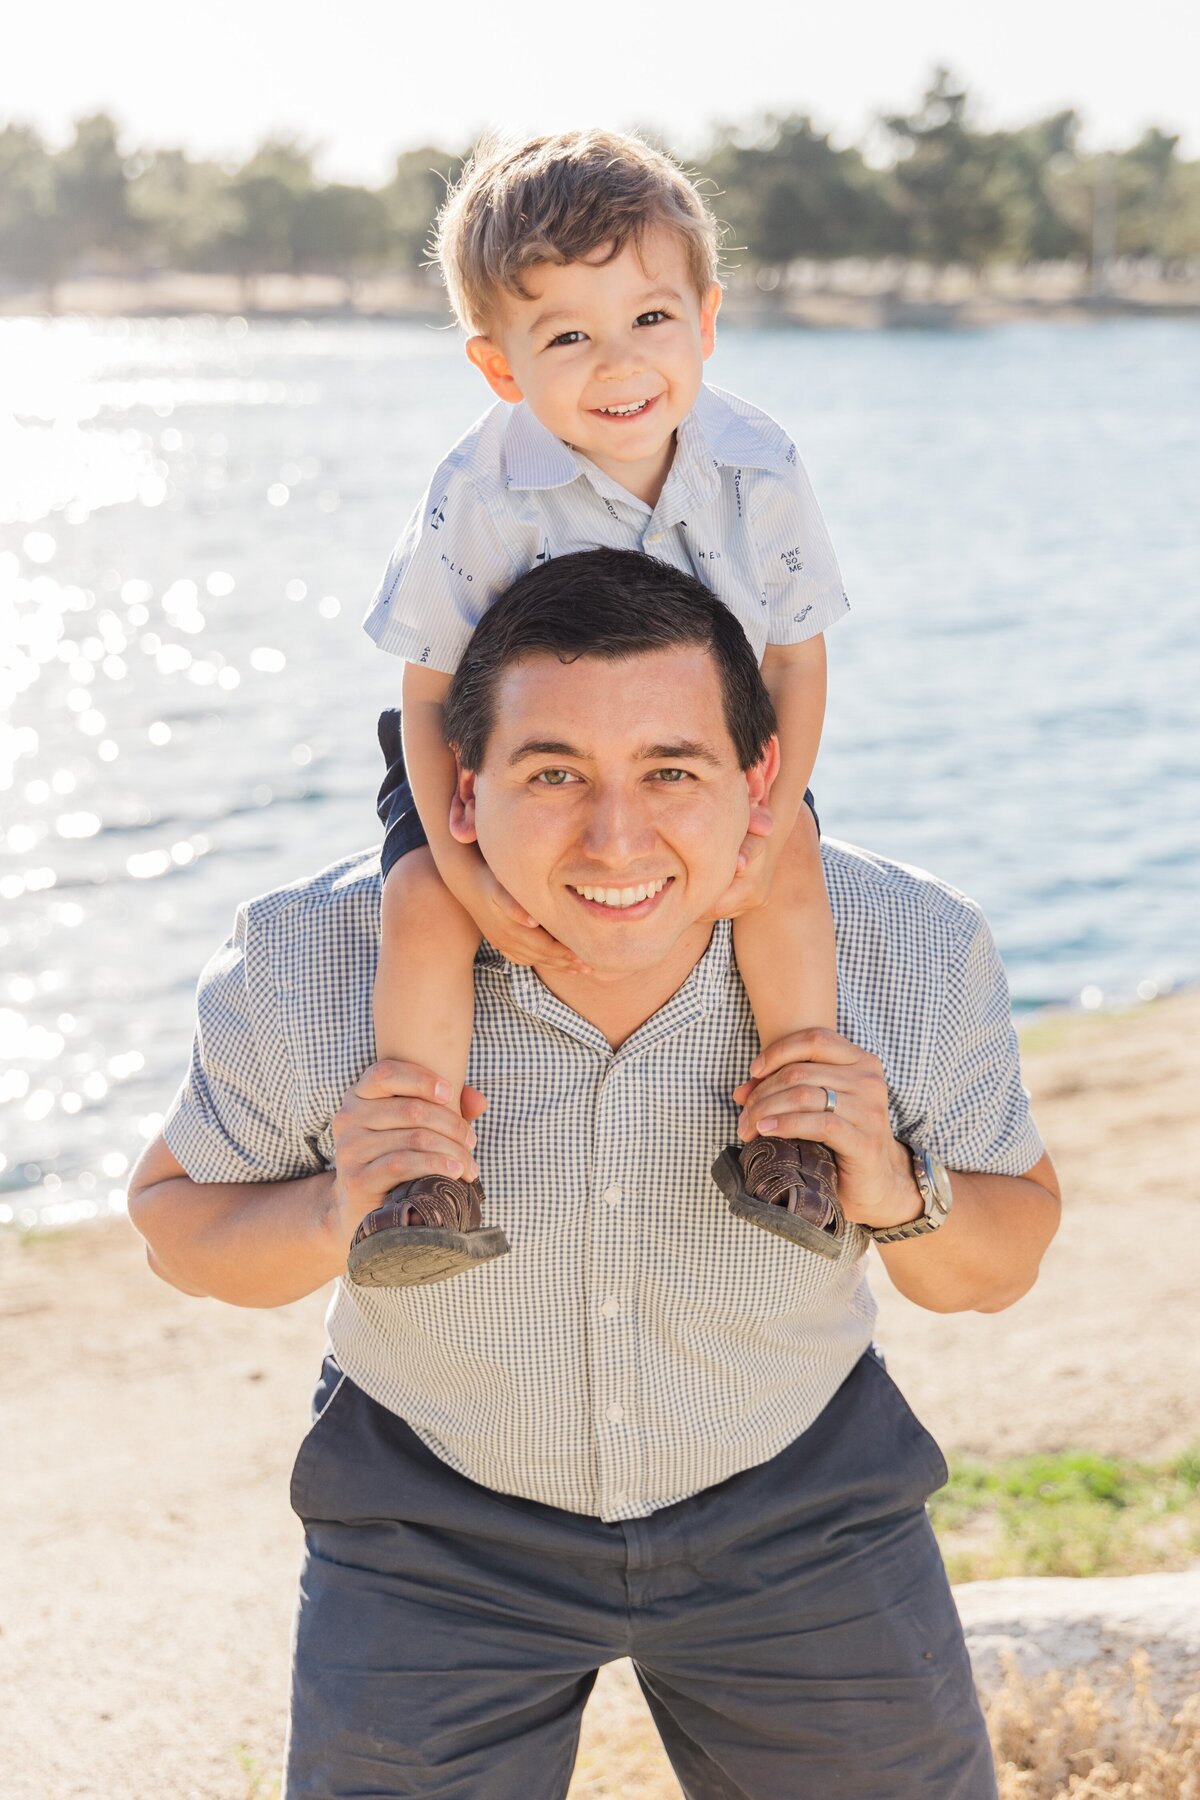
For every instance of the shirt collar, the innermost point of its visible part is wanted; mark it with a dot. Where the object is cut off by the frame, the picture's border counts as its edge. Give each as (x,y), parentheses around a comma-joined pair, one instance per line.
(729,438)
(533,456)
(712,433)
(703,992)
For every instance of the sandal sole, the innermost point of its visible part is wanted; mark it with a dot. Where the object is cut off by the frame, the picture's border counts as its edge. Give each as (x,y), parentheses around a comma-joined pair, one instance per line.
(415,1255)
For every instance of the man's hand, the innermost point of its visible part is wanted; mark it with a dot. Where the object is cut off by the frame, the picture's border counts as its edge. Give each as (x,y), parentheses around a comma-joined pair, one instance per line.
(786,1097)
(398,1121)
(506,924)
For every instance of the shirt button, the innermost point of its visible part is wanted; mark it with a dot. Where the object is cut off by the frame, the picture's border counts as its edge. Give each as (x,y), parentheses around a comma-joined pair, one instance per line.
(610,1309)
(619,1499)
(614,1413)
(612,1194)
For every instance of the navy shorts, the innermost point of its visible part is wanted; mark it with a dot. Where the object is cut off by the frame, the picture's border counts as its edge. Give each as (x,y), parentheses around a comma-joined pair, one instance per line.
(792,1628)
(397,809)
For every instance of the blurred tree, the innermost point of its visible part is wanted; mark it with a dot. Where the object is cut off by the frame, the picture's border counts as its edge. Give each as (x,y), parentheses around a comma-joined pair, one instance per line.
(264,198)
(786,193)
(28,236)
(339,230)
(413,198)
(950,179)
(183,208)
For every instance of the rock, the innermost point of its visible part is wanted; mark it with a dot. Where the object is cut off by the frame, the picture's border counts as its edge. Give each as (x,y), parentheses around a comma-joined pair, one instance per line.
(1055,1622)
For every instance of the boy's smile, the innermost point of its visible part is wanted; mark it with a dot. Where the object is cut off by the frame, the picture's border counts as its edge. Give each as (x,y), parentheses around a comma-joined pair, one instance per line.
(609,355)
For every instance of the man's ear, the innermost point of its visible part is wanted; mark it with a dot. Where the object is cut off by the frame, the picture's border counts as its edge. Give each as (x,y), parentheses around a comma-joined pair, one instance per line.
(462,806)
(492,364)
(710,306)
(760,777)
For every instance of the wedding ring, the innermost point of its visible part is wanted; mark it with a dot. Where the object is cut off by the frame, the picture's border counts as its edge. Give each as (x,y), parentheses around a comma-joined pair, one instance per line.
(830,1100)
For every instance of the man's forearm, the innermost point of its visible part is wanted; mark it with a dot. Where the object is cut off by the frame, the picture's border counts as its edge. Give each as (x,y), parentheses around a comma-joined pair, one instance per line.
(987,1253)
(247,1243)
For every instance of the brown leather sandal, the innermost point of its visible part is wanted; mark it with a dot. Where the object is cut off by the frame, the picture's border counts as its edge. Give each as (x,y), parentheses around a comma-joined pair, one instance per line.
(426,1230)
(786,1186)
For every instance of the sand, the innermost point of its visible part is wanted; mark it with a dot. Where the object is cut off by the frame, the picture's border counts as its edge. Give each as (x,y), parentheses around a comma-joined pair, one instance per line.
(148,1557)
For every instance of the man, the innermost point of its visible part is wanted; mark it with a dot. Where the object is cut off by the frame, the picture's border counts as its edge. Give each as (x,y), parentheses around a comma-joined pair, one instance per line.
(650,1429)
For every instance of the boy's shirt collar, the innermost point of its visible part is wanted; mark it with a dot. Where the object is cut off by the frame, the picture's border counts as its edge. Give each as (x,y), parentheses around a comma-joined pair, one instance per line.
(711,436)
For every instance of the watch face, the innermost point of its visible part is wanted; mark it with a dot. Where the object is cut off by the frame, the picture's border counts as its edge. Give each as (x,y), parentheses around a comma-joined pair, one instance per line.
(939,1180)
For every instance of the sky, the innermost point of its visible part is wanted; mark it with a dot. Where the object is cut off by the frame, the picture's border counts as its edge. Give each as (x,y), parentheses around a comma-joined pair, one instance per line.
(363,78)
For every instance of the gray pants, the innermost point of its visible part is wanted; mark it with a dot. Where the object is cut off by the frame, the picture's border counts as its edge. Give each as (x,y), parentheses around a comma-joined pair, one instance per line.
(792,1628)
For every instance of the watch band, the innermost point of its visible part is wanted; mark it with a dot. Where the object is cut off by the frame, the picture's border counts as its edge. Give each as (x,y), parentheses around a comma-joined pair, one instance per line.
(933,1184)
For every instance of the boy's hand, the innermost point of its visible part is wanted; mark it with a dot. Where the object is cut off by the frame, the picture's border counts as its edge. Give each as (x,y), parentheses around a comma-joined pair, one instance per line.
(756,862)
(513,931)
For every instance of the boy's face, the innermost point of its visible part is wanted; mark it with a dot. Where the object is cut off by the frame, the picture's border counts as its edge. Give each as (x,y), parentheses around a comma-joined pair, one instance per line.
(609,355)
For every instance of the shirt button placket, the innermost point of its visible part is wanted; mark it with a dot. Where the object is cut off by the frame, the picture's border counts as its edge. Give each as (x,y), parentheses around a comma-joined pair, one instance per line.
(614,1356)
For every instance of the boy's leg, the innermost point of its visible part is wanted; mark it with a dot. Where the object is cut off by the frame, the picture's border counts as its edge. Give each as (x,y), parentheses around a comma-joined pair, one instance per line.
(446,1638)
(814,1647)
(424,1004)
(786,956)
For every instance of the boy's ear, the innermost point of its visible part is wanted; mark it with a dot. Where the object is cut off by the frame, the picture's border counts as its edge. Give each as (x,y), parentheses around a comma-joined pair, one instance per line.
(710,306)
(492,364)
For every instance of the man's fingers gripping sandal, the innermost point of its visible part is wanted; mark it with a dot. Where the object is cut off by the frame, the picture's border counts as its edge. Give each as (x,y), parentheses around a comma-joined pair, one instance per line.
(426,1230)
(787,1186)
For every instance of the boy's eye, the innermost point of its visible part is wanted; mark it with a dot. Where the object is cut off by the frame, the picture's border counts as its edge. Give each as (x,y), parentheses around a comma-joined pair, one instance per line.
(566,337)
(652,318)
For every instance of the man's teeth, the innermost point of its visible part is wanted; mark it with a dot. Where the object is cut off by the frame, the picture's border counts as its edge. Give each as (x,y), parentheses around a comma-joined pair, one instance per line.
(622,412)
(623,896)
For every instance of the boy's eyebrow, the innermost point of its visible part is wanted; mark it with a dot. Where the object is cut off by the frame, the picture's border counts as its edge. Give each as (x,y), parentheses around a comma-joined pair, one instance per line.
(683,750)
(642,302)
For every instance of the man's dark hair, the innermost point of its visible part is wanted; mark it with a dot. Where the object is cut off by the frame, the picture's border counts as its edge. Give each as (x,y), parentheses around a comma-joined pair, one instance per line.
(612,604)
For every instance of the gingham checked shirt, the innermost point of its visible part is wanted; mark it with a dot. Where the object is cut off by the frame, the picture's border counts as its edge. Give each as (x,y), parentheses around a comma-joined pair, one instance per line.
(737,511)
(638,1343)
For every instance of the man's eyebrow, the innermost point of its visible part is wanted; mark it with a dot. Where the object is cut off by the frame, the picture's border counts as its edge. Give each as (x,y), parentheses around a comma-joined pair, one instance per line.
(543,747)
(683,750)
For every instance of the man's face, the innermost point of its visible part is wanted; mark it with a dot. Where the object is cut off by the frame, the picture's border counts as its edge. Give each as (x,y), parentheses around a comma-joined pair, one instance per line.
(610,803)
(609,354)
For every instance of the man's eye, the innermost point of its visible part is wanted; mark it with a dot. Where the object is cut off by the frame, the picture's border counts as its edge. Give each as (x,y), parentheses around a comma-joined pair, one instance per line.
(674,776)
(553,777)
(566,338)
(653,318)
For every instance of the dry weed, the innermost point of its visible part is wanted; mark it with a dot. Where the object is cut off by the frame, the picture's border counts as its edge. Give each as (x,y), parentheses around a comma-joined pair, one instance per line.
(1060,1737)
(1056,1737)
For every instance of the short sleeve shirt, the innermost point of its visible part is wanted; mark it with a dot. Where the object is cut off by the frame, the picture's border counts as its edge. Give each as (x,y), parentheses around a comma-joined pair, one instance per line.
(737,510)
(638,1343)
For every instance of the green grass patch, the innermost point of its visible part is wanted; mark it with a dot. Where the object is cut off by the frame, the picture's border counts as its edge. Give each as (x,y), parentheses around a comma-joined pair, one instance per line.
(1070,1514)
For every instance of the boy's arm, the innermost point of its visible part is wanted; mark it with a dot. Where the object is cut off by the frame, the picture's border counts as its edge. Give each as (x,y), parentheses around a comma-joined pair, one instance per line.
(795,677)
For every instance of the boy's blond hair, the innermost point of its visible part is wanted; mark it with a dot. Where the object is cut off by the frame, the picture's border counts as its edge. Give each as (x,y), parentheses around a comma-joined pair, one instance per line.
(559,200)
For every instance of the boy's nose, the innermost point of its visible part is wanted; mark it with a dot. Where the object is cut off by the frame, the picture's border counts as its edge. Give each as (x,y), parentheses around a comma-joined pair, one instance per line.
(618,359)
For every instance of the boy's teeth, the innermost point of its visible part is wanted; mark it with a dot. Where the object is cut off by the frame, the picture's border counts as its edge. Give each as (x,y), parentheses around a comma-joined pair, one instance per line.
(619,412)
(623,896)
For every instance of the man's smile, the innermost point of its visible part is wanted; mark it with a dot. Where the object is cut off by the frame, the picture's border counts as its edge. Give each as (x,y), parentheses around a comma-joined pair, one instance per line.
(632,902)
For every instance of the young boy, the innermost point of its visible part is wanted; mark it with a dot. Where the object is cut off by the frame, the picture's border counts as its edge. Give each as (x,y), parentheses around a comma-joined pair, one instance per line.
(584,270)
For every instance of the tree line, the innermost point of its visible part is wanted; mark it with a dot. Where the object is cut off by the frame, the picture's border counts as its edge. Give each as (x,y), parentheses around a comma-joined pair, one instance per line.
(944,191)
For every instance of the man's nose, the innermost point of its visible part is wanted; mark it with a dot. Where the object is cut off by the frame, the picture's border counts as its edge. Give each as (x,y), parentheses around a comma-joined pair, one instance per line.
(618,828)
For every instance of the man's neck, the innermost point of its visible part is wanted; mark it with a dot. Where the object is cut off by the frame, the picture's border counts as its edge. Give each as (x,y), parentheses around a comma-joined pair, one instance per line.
(619,1004)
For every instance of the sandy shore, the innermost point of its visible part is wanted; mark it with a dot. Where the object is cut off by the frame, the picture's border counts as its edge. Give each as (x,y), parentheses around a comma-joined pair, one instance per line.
(148,1557)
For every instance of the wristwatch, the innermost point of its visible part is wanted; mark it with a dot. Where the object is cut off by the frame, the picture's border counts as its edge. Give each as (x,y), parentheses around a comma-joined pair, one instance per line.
(937,1197)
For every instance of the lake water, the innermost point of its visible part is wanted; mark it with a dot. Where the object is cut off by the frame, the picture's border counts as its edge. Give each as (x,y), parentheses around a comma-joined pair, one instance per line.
(194,513)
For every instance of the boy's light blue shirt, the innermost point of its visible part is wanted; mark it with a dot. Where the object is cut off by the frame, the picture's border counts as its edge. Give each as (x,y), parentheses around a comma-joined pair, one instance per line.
(737,511)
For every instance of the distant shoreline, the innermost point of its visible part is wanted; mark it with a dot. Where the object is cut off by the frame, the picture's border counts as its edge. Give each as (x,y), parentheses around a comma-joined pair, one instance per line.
(845,297)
